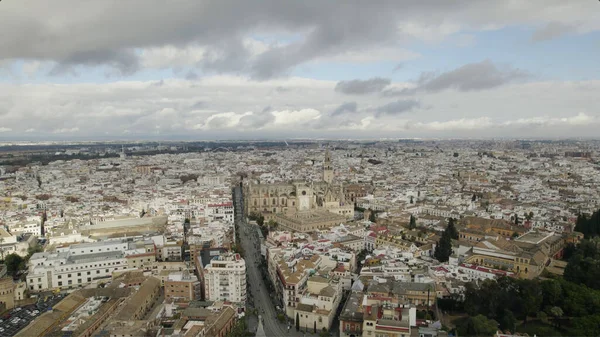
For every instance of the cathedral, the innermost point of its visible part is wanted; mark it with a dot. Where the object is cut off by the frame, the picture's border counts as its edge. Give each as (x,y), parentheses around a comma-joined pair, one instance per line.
(302,206)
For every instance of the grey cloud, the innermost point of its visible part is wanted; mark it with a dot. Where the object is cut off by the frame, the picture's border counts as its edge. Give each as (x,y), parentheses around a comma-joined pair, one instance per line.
(107,36)
(397,107)
(198,105)
(126,62)
(256,120)
(348,107)
(281,89)
(267,109)
(551,31)
(362,87)
(473,76)
(218,122)
(469,77)
(394,92)
(191,76)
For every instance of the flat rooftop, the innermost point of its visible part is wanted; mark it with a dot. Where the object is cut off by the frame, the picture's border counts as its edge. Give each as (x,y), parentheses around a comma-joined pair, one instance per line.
(534,237)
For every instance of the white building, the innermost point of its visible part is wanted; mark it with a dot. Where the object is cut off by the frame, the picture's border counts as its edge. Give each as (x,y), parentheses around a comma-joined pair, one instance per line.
(78,264)
(225,278)
(222,211)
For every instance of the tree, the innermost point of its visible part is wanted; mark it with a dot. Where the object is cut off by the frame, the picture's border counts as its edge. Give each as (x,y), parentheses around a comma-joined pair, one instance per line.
(14,263)
(324,333)
(412,224)
(443,249)
(557,313)
(474,198)
(452,229)
(314,326)
(508,321)
(517,219)
(588,225)
(455,154)
(297,322)
(372,216)
(529,216)
(478,326)
(412,201)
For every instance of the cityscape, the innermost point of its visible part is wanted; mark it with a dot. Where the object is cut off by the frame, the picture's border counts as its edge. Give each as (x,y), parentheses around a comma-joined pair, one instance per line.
(336,238)
(301,168)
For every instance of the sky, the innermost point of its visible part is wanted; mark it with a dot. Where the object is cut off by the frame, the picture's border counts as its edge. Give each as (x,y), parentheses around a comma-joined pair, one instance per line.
(265,69)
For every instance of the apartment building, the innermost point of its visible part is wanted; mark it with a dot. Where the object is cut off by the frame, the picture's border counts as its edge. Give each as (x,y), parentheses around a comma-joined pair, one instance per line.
(182,286)
(225,278)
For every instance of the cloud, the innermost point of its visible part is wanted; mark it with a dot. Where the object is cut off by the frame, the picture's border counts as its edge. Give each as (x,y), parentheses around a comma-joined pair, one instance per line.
(551,31)
(469,77)
(236,107)
(486,123)
(453,125)
(124,61)
(198,105)
(209,37)
(4,129)
(348,107)
(66,130)
(362,87)
(397,107)
(256,121)
(473,76)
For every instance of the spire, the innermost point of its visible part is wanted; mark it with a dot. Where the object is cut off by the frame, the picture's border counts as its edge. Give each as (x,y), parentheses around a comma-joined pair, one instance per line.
(327,168)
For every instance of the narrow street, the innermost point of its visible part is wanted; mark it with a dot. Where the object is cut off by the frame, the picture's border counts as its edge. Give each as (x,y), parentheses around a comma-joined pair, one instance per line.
(256,286)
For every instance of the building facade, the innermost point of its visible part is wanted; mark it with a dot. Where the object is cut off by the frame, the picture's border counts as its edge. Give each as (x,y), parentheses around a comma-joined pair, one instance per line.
(225,278)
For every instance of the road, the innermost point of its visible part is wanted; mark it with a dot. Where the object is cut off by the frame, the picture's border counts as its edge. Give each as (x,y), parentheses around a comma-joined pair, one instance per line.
(256,286)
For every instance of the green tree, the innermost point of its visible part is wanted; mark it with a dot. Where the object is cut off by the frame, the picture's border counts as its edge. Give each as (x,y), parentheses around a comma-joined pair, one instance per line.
(451,229)
(297,322)
(557,313)
(542,316)
(412,224)
(443,249)
(478,326)
(529,216)
(324,333)
(530,296)
(372,216)
(508,321)
(586,326)
(14,263)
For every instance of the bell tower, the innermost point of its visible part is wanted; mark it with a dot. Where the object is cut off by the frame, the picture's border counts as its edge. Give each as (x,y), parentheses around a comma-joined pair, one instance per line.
(327,168)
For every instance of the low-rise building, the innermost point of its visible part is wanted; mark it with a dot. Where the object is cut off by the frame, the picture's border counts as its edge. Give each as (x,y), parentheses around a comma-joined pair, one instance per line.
(182,286)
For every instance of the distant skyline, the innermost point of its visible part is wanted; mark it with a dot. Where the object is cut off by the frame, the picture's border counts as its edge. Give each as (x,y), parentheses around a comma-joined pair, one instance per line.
(277,69)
